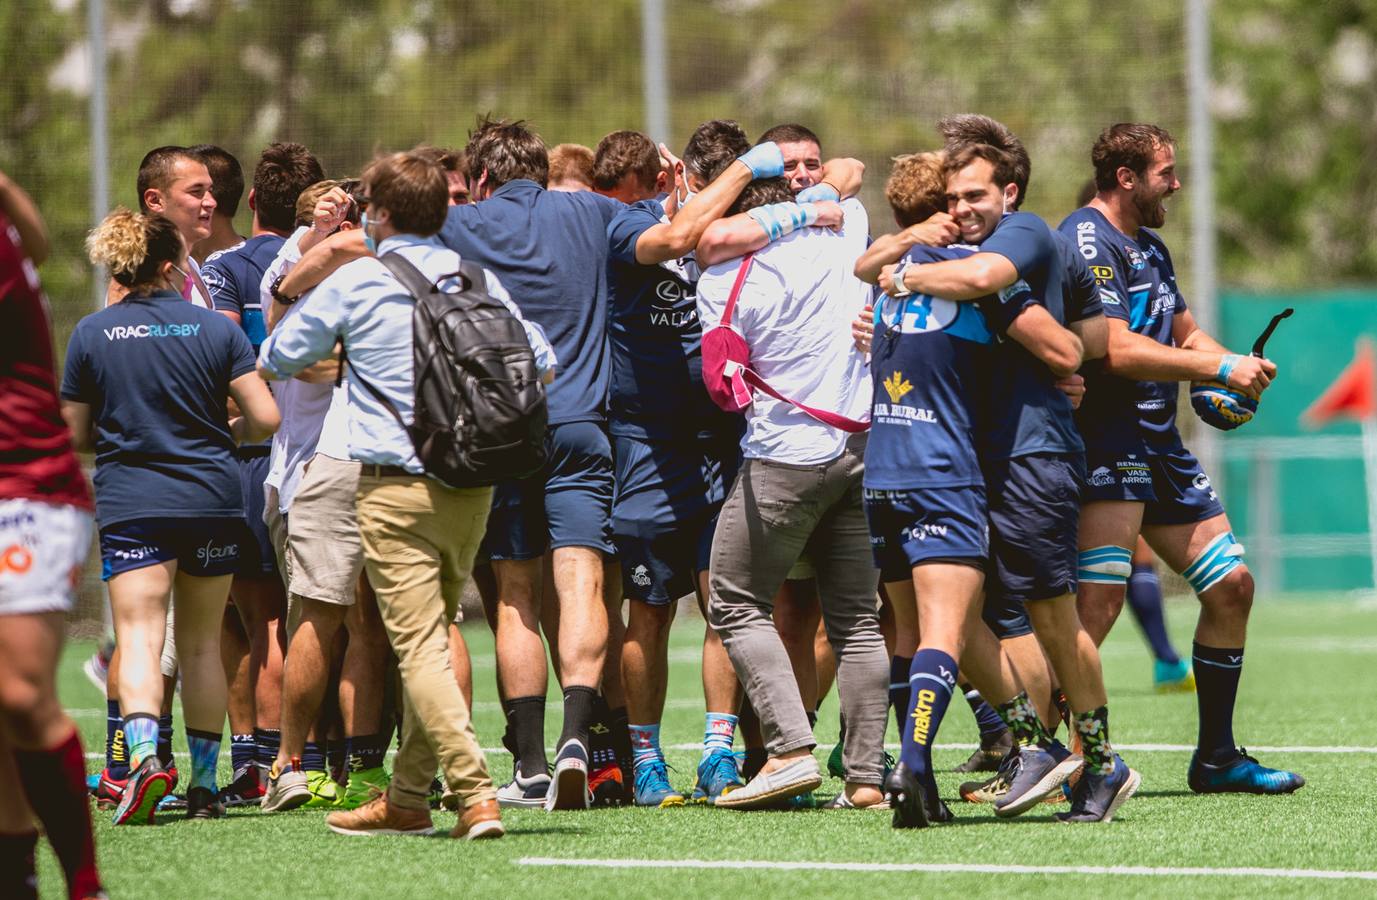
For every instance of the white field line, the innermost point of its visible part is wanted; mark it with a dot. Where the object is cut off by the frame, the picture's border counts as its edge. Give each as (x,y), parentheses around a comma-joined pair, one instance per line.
(950,868)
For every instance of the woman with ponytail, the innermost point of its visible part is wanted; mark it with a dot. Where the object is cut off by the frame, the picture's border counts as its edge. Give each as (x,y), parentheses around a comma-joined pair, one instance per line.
(146,385)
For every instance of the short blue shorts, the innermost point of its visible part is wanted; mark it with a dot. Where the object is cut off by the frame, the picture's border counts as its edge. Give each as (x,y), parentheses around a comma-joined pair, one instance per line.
(200,547)
(920,525)
(259,558)
(1183,491)
(667,500)
(567,504)
(1034,516)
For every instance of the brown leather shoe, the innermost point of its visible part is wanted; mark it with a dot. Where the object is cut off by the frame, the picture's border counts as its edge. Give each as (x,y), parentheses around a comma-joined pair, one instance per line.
(379,816)
(479,821)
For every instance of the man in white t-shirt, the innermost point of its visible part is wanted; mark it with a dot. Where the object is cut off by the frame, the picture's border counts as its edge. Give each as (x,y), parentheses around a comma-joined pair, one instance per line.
(799,490)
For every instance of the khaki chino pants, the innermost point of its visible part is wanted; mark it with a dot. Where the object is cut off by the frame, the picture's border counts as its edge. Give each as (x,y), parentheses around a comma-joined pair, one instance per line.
(419,541)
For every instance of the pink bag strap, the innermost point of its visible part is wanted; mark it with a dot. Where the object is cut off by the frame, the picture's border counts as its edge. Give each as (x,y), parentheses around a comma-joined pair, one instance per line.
(741,274)
(826,417)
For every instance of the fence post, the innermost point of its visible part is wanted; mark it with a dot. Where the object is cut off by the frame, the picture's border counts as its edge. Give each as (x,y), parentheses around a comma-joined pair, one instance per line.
(1264,524)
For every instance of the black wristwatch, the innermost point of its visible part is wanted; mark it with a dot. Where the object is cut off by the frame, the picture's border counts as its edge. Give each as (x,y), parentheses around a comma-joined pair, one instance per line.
(276,290)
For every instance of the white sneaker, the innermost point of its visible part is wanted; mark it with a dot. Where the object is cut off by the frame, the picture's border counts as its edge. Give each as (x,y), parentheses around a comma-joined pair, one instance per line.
(287,790)
(768,788)
(569,790)
(523,792)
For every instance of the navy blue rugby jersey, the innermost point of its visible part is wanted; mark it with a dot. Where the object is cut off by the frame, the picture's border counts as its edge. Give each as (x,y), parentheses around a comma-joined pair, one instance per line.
(1027,412)
(156,372)
(657,388)
(929,358)
(234,278)
(1137,284)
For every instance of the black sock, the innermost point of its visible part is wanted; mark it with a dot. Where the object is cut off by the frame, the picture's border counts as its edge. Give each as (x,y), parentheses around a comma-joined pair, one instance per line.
(579,703)
(753,762)
(165,739)
(337,756)
(1145,601)
(366,751)
(898,688)
(1216,687)
(600,748)
(527,715)
(621,741)
(18,878)
(116,753)
(266,741)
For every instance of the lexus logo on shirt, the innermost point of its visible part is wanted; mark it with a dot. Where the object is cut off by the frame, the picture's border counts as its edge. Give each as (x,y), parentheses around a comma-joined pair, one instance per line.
(670,291)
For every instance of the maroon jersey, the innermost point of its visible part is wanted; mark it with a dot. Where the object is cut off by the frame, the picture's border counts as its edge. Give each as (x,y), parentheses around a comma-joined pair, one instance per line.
(36,458)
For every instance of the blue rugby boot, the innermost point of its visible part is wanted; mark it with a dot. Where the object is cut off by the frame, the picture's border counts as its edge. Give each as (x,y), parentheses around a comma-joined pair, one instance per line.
(1097,796)
(1240,775)
(1037,772)
(1172,678)
(717,777)
(652,786)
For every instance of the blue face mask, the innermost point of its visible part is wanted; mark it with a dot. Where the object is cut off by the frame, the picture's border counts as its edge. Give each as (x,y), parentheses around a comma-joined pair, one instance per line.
(368,241)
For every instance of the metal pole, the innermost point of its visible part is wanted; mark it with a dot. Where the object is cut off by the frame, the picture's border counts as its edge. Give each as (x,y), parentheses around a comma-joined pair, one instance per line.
(1200,129)
(100,144)
(654,62)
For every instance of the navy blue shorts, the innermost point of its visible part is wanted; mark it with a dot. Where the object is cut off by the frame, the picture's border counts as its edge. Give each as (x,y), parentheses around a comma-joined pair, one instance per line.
(1035,507)
(667,500)
(1184,493)
(200,547)
(567,504)
(259,557)
(1117,472)
(911,527)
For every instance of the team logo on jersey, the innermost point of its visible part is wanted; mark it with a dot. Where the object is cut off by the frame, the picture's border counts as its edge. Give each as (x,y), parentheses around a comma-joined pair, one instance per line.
(1101,477)
(896,385)
(1136,261)
(211,553)
(213,279)
(124,332)
(922,313)
(640,576)
(1018,288)
(1085,240)
(670,291)
(1201,482)
(17,559)
(1102,273)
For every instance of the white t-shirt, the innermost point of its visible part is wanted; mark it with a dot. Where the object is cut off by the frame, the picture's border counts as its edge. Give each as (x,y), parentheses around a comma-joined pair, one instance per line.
(303,405)
(795,312)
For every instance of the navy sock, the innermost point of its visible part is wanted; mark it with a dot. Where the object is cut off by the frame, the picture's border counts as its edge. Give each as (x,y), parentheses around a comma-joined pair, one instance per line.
(932,678)
(165,739)
(337,756)
(990,724)
(898,687)
(366,751)
(116,753)
(242,751)
(1216,687)
(312,757)
(266,741)
(1145,600)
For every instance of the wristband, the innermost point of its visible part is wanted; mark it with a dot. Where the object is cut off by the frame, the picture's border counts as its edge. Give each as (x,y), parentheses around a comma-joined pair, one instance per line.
(764,160)
(276,290)
(780,219)
(898,278)
(1226,367)
(820,191)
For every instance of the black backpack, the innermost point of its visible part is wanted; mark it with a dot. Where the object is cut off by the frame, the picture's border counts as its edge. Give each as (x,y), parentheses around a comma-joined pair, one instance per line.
(479,406)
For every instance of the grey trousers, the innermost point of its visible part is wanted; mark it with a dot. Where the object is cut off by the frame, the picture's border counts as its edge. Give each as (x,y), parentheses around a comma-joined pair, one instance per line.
(774,513)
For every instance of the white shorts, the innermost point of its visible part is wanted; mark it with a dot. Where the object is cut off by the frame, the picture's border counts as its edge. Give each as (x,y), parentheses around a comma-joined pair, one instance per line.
(42,549)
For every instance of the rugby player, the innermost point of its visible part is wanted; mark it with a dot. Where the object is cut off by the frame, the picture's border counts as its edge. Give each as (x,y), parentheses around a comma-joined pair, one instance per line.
(233,276)
(45,533)
(1140,478)
(571,168)
(227,187)
(676,453)
(175,182)
(1032,460)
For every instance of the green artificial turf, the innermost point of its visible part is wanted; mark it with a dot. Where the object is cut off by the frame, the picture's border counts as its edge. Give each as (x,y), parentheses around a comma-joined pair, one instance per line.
(1310,678)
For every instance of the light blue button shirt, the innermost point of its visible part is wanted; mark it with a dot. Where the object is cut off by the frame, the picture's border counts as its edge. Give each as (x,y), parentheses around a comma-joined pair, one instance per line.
(363,305)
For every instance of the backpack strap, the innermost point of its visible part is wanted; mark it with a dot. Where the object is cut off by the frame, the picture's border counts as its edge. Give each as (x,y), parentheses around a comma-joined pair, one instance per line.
(410,277)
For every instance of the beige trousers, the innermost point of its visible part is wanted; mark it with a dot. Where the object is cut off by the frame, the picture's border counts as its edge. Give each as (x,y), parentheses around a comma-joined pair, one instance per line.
(419,541)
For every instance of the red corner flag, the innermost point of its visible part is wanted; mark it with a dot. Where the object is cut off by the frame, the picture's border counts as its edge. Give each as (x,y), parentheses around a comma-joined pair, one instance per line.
(1353,395)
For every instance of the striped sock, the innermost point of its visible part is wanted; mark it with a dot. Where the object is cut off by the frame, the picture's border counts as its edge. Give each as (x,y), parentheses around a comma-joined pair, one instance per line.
(645,744)
(718,733)
(242,751)
(141,737)
(205,757)
(266,742)
(312,757)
